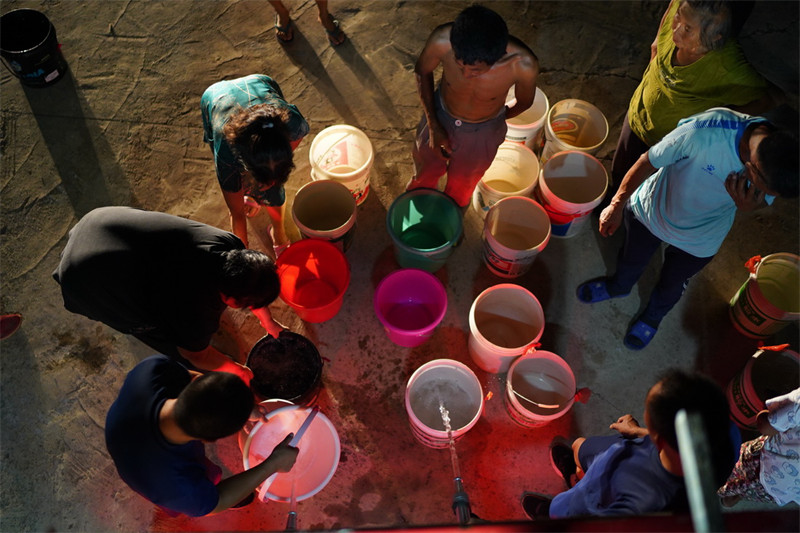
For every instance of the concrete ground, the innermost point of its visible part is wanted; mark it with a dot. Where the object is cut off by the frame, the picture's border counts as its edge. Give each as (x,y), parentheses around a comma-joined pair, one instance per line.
(124,128)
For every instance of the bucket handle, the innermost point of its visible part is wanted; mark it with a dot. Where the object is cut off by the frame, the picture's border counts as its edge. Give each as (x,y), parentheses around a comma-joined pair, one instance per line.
(582,395)
(752,263)
(776,348)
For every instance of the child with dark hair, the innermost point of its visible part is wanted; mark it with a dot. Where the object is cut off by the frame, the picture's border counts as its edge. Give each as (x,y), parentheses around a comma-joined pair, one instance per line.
(638,471)
(252,132)
(155,432)
(464,119)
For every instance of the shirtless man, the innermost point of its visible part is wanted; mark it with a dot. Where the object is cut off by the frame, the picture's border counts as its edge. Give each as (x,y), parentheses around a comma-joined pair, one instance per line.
(464,119)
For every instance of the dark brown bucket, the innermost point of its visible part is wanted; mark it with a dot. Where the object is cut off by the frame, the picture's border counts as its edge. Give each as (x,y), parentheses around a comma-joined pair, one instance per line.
(289,368)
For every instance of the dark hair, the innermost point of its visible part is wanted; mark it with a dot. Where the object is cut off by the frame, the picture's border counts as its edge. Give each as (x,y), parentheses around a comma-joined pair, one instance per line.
(213,406)
(715,22)
(695,393)
(259,137)
(777,153)
(250,277)
(479,35)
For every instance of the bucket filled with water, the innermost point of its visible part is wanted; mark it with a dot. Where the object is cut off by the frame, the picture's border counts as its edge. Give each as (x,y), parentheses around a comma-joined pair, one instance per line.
(528,127)
(288,367)
(540,387)
(425,226)
(574,125)
(770,298)
(410,303)
(317,458)
(768,373)
(314,276)
(571,186)
(343,153)
(504,321)
(515,231)
(325,210)
(514,172)
(443,384)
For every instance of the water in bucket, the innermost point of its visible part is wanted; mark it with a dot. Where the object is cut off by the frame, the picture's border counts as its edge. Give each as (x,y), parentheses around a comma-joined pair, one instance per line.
(428,396)
(513,172)
(410,303)
(516,230)
(325,210)
(540,388)
(574,125)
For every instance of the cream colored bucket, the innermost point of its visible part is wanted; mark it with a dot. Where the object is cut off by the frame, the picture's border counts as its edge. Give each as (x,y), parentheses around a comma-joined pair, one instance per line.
(447,383)
(574,125)
(540,387)
(504,321)
(528,127)
(514,172)
(516,230)
(343,153)
(325,210)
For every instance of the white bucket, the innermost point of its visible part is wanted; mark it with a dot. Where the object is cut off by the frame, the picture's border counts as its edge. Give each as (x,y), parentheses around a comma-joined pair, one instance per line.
(571,186)
(456,387)
(528,126)
(317,458)
(770,298)
(574,125)
(343,153)
(540,377)
(503,321)
(514,233)
(513,172)
(325,210)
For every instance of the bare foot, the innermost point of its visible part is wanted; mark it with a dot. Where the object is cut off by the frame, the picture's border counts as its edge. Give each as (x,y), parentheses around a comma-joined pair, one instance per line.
(335,34)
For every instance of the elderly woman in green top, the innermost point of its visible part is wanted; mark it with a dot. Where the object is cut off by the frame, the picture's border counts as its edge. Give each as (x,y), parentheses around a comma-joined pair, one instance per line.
(695,64)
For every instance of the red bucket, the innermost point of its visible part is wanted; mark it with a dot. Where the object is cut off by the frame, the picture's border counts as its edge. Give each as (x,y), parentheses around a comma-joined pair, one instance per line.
(314,276)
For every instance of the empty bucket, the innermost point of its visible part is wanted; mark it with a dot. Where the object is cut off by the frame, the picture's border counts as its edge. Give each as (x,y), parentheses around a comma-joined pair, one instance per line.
(768,373)
(343,153)
(288,368)
(314,276)
(317,458)
(425,226)
(29,48)
(442,383)
(325,210)
(571,186)
(504,321)
(410,303)
(515,231)
(540,387)
(513,172)
(574,125)
(770,298)
(528,127)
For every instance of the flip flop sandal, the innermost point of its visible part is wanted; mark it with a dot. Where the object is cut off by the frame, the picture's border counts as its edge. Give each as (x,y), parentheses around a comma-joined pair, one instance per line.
(639,335)
(595,291)
(337,36)
(286,31)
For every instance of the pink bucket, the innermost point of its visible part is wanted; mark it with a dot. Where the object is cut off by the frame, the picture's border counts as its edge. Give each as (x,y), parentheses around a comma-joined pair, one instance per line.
(410,303)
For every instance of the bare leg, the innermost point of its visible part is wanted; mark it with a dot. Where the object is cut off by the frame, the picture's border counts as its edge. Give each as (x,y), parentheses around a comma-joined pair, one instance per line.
(335,35)
(277,215)
(576,445)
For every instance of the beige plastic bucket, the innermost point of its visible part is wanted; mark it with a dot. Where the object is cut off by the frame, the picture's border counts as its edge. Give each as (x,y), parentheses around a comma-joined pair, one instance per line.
(768,373)
(574,125)
(457,388)
(514,172)
(541,378)
(770,298)
(572,184)
(343,153)
(515,231)
(325,210)
(528,127)
(504,321)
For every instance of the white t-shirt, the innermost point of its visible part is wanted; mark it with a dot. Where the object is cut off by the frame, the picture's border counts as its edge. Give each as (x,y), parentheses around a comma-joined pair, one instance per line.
(780,458)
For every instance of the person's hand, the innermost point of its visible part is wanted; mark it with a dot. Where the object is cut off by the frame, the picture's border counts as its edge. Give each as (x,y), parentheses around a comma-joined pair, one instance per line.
(611,219)
(628,427)
(744,194)
(439,141)
(283,456)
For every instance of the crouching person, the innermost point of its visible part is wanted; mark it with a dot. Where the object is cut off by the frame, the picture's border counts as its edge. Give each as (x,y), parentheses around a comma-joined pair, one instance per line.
(157,427)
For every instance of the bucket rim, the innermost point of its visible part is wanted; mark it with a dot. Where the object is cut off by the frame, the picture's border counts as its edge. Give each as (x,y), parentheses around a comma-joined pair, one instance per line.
(548,356)
(540,121)
(451,363)
(549,127)
(281,266)
(439,288)
(416,192)
(475,331)
(578,207)
(50,29)
(350,129)
(539,209)
(315,382)
(341,188)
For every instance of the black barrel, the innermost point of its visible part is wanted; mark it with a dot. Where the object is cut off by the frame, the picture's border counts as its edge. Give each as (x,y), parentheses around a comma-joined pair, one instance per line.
(289,368)
(29,48)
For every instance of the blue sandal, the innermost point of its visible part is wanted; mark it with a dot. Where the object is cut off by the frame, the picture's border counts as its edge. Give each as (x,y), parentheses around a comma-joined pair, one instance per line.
(595,291)
(639,335)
